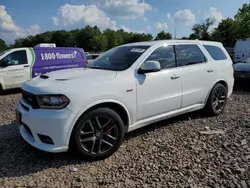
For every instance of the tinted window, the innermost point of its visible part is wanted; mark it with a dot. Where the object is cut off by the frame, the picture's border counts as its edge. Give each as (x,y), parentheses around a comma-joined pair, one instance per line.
(215,52)
(189,54)
(15,58)
(95,56)
(165,56)
(119,58)
(89,57)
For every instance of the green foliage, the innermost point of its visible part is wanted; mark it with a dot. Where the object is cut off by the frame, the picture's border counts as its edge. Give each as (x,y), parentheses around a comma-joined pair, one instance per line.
(3,46)
(243,18)
(228,31)
(201,31)
(163,36)
(88,38)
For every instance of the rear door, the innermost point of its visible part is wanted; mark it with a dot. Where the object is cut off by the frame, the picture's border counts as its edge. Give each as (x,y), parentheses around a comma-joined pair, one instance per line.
(223,63)
(17,69)
(198,73)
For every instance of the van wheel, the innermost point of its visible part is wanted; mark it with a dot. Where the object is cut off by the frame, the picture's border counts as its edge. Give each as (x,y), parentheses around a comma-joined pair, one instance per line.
(99,134)
(217,100)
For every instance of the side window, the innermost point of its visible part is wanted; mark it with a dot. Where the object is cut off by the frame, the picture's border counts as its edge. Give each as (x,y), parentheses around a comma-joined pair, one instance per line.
(165,56)
(16,58)
(95,56)
(215,52)
(189,54)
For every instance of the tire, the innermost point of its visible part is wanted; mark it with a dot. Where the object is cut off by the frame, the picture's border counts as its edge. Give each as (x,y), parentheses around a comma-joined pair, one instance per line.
(88,135)
(1,89)
(212,108)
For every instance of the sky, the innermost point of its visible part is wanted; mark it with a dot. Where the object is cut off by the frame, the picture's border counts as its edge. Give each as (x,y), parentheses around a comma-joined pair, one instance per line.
(20,18)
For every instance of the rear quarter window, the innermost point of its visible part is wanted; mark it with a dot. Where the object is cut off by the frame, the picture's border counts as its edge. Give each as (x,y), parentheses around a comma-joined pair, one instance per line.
(215,52)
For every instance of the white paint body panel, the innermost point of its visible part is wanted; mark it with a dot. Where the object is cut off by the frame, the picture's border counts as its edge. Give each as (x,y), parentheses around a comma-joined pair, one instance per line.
(152,97)
(14,76)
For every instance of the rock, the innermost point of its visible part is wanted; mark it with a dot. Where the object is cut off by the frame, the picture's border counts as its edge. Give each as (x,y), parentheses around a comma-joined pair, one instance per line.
(207,128)
(240,170)
(247,157)
(209,132)
(158,155)
(243,184)
(243,142)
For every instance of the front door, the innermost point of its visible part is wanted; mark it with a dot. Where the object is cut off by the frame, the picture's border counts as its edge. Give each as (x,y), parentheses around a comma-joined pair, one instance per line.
(16,69)
(159,92)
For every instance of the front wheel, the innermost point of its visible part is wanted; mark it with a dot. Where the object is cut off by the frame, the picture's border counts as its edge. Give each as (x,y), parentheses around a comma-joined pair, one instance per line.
(99,134)
(217,100)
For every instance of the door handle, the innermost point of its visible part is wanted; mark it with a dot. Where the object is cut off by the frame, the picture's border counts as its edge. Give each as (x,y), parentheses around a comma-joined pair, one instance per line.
(210,70)
(26,66)
(175,77)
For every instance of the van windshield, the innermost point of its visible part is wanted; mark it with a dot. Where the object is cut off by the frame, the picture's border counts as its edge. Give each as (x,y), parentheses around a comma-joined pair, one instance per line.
(246,60)
(118,58)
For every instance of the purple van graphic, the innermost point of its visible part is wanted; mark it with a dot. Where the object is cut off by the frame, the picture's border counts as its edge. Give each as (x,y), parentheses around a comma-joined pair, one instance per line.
(47,59)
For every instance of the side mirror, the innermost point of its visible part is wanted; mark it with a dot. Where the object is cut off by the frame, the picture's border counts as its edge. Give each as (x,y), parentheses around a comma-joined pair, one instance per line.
(149,66)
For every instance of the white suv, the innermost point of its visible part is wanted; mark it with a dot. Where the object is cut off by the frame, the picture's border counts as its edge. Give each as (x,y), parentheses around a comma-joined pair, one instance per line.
(128,87)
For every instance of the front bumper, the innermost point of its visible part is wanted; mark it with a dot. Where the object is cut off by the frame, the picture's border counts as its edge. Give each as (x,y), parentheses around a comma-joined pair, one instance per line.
(242,76)
(54,124)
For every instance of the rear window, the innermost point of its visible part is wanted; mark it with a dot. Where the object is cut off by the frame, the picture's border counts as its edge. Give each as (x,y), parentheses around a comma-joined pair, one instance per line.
(215,52)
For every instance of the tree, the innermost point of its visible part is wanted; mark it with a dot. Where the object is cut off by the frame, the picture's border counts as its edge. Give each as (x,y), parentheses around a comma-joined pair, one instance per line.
(202,30)
(112,38)
(163,36)
(227,32)
(63,39)
(243,17)
(3,46)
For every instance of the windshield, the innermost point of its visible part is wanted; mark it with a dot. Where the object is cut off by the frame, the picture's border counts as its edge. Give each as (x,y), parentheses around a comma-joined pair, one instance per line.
(118,58)
(247,60)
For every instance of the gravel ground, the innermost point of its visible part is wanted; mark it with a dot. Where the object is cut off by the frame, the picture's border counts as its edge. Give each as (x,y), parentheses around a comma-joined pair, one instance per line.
(170,153)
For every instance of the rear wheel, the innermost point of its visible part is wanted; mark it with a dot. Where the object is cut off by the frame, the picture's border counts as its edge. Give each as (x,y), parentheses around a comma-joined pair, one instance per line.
(217,100)
(99,134)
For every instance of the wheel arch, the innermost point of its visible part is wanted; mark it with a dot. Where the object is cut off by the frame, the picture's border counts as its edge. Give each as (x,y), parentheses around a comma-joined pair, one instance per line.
(2,85)
(115,105)
(223,82)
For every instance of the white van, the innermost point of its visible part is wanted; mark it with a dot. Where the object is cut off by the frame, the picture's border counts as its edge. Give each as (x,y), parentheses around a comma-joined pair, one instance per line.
(241,49)
(21,64)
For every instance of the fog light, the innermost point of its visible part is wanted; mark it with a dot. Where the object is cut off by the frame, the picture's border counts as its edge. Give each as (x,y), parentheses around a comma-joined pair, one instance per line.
(45,139)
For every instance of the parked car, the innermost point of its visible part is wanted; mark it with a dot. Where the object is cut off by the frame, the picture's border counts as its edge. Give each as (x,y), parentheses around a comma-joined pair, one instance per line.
(21,64)
(91,57)
(128,87)
(242,70)
(241,50)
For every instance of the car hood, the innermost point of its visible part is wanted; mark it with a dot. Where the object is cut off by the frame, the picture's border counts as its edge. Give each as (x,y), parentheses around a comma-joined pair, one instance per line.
(68,78)
(242,67)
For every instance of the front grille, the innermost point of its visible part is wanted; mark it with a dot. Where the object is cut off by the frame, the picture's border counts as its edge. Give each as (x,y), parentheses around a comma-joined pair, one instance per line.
(30,99)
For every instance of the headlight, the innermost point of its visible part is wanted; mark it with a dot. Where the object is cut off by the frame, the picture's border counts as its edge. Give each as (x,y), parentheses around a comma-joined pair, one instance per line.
(52,101)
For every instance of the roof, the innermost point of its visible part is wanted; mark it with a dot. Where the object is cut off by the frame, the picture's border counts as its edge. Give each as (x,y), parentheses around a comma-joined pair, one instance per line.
(151,43)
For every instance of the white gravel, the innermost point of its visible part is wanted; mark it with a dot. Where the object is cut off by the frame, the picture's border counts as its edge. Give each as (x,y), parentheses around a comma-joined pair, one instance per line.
(173,153)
